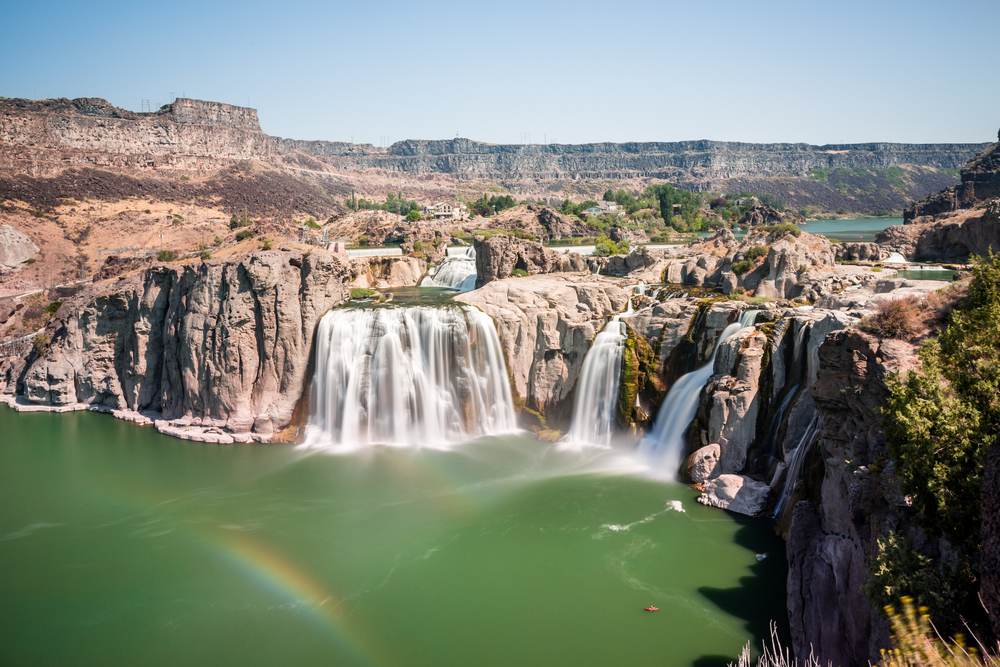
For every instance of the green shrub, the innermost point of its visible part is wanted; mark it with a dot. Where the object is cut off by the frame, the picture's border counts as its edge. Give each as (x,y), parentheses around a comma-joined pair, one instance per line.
(312,224)
(778,231)
(753,252)
(413,215)
(40,344)
(364,240)
(205,255)
(165,256)
(362,292)
(603,246)
(38,213)
(245,234)
(520,273)
(876,269)
(53,307)
(216,241)
(939,422)
(418,246)
(147,211)
(266,245)
(740,268)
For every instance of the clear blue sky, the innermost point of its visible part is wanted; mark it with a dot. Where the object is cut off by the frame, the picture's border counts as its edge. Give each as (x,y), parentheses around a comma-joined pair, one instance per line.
(740,70)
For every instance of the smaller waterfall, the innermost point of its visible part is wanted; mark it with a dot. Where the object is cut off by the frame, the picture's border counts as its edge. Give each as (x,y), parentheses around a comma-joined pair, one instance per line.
(896,258)
(408,376)
(666,442)
(457,271)
(795,466)
(597,389)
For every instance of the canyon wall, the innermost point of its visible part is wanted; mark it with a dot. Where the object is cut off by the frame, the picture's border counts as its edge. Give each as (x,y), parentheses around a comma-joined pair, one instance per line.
(222,347)
(44,136)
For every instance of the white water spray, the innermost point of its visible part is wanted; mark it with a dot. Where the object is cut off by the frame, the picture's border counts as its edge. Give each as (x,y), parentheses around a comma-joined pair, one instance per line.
(457,271)
(666,441)
(417,376)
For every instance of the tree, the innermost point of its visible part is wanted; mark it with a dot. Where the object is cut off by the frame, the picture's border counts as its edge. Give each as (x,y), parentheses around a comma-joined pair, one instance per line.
(413,215)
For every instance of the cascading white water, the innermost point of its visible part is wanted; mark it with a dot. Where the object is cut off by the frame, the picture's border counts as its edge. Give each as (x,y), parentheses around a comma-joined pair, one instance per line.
(795,465)
(457,271)
(896,258)
(666,441)
(597,390)
(416,375)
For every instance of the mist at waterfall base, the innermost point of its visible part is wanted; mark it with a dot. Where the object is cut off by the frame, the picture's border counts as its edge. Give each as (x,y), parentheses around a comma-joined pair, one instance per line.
(119,545)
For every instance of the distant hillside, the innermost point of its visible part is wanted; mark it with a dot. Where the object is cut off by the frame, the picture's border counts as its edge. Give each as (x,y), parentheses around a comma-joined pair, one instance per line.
(40,138)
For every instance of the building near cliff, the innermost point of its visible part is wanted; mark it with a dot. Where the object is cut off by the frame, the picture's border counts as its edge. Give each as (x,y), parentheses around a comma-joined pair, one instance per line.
(450,210)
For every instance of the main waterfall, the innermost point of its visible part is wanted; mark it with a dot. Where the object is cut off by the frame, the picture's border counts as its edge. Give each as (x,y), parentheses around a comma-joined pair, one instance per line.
(597,390)
(666,441)
(417,375)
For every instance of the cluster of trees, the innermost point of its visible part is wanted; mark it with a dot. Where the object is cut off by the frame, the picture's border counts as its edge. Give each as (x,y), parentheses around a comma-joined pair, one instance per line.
(495,204)
(394,203)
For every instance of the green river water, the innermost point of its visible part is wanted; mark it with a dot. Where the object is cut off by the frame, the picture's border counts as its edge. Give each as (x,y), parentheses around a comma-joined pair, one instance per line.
(119,546)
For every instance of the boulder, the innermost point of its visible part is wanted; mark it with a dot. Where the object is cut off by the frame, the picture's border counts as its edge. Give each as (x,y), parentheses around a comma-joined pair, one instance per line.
(15,247)
(702,464)
(736,493)
(860,252)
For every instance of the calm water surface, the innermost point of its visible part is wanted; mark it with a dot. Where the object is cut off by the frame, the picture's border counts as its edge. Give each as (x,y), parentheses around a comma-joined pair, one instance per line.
(860,230)
(122,546)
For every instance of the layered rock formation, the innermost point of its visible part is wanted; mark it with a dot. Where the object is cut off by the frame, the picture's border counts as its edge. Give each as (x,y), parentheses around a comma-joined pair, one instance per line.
(386,272)
(223,346)
(980,181)
(197,134)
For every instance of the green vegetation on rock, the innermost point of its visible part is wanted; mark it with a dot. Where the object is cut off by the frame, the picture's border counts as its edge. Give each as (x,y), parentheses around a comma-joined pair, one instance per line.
(939,423)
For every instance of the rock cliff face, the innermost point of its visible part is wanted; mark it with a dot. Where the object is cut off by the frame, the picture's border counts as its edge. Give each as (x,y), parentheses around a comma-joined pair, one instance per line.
(952,239)
(834,528)
(546,325)
(980,181)
(198,134)
(498,256)
(222,346)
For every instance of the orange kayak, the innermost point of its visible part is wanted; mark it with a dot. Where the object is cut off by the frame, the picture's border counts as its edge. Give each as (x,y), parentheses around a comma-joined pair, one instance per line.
(651,608)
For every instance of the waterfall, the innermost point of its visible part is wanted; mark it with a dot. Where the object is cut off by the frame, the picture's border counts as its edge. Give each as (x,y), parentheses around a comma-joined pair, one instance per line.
(457,271)
(795,465)
(597,389)
(416,375)
(666,441)
(896,258)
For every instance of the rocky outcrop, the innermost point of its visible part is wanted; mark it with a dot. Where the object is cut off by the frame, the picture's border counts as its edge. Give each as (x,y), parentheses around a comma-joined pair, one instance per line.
(761,214)
(498,257)
(702,464)
(386,272)
(546,325)
(15,248)
(543,221)
(980,182)
(950,240)
(223,346)
(859,252)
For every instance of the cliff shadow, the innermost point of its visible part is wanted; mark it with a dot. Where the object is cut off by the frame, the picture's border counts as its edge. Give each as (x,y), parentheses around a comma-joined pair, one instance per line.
(760,597)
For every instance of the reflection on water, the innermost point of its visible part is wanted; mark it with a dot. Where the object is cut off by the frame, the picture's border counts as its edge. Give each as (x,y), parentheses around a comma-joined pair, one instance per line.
(122,546)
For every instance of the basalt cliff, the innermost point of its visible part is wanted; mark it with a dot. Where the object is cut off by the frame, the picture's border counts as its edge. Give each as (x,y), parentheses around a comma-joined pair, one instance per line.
(45,137)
